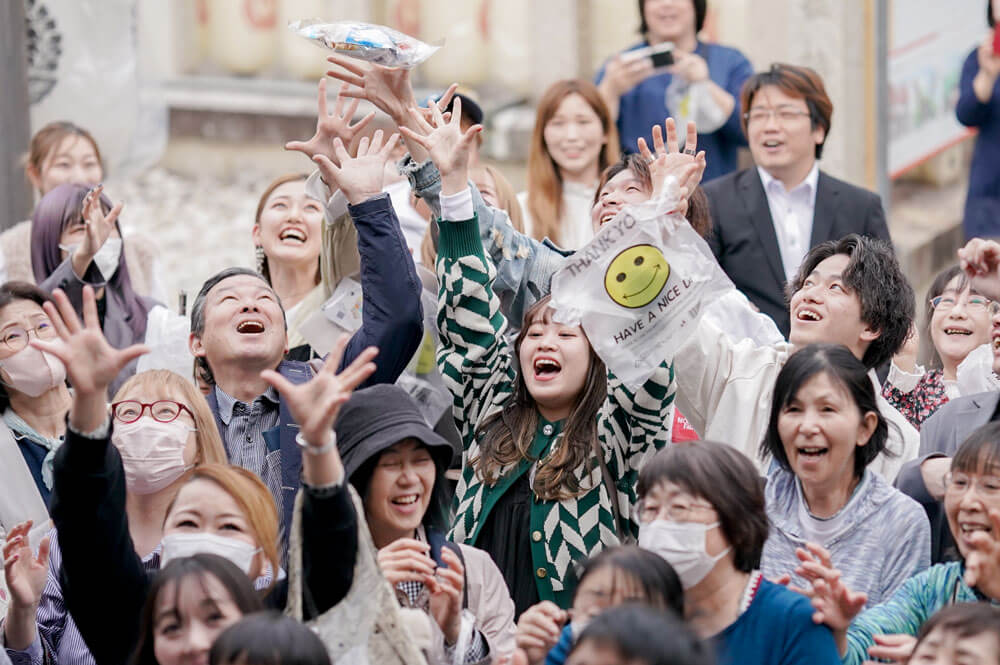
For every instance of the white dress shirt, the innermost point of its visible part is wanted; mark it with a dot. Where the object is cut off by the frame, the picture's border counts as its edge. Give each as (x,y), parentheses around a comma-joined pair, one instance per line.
(792,214)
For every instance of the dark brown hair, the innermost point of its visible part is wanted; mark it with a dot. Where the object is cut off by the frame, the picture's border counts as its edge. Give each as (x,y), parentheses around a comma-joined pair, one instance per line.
(801,82)
(506,437)
(172,576)
(700,10)
(725,478)
(50,137)
(275,184)
(980,451)
(963,619)
(938,287)
(884,293)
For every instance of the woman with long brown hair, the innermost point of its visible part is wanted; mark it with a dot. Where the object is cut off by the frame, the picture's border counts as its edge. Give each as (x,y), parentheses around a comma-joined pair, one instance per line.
(574,141)
(552,441)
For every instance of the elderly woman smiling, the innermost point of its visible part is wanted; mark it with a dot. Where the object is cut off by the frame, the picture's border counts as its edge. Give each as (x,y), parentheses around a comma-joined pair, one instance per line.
(824,430)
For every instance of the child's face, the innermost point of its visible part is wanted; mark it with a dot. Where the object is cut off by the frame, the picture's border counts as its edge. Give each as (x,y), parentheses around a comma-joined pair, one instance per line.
(945,647)
(602,589)
(590,652)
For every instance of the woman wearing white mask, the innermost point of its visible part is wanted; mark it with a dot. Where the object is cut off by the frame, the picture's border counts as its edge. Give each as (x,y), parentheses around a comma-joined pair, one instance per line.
(75,241)
(33,402)
(701,507)
(163,429)
(89,498)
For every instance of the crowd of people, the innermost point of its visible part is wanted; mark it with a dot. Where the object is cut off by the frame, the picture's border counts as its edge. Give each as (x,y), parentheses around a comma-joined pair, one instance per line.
(383,445)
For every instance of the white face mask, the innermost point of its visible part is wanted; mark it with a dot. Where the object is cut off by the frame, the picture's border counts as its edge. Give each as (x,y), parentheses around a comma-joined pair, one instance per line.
(152,453)
(180,545)
(33,372)
(682,544)
(106,258)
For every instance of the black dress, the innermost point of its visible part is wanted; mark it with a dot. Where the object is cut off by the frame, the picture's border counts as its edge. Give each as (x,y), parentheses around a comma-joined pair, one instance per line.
(504,536)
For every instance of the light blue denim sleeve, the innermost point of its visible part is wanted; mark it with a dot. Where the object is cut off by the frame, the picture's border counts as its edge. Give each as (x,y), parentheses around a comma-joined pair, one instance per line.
(524,265)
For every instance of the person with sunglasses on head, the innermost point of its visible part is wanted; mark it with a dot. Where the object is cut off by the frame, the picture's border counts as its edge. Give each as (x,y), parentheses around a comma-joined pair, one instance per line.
(163,430)
(958,323)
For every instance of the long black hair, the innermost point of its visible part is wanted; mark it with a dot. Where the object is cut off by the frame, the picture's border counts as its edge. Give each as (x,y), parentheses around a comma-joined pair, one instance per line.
(844,368)
(171,577)
(268,638)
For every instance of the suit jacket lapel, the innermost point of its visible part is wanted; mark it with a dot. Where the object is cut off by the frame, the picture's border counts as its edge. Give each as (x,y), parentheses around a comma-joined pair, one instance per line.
(824,211)
(755,202)
(977,414)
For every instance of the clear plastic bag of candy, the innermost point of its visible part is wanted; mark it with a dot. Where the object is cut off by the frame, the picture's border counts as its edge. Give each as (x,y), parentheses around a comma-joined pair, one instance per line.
(365,41)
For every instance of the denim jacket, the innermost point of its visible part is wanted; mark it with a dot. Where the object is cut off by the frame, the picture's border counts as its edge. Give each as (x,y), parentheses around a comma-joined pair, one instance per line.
(524,265)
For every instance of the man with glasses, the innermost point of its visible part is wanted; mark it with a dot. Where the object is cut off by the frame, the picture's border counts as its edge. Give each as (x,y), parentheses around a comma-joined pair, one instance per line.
(766,218)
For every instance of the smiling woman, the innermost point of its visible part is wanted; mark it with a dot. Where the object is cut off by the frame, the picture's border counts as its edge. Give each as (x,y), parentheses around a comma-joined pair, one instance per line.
(824,431)
(288,237)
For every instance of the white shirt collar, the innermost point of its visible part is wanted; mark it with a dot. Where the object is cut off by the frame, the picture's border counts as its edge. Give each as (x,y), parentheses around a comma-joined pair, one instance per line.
(809,184)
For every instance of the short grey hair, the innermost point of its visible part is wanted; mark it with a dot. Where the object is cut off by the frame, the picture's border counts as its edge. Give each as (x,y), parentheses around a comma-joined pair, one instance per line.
(198,311)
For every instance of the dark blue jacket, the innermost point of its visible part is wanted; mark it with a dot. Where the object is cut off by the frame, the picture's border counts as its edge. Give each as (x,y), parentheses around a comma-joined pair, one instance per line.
(392,320)
(982,206)
(645,105)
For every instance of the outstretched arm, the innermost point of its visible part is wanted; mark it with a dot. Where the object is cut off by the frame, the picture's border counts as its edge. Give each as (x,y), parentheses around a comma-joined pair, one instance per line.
(88,493)
(392,317)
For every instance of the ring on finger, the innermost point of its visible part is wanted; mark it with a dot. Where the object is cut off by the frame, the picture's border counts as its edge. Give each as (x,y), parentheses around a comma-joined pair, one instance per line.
(689,151)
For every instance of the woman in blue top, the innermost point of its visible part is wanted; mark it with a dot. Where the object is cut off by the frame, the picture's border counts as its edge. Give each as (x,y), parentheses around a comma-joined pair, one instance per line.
(704,82)
(701,507)
(979,106)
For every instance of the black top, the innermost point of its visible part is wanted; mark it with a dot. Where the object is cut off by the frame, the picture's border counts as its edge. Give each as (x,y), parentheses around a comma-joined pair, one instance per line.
(100,562)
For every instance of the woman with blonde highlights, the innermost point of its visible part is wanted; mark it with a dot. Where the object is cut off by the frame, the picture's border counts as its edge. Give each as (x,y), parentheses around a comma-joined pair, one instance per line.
(574,140)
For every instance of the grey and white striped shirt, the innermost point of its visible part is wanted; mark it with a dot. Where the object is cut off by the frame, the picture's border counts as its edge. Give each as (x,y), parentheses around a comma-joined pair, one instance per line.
(243,434)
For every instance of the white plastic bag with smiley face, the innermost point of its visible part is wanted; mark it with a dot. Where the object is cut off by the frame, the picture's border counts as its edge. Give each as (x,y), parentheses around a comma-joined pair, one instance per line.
(638,288)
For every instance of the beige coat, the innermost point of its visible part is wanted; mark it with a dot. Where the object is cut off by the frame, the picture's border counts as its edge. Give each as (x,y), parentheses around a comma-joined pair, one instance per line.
(489,601)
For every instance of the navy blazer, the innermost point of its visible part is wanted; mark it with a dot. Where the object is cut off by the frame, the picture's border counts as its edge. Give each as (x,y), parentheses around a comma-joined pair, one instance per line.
(745,243)
(392,320)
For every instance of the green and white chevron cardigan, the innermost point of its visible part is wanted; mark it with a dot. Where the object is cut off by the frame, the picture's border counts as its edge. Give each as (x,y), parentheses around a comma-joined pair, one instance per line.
(476,363)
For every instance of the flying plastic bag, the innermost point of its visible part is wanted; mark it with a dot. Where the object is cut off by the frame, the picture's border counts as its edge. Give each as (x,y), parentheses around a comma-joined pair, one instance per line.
(639,287)
(366,41)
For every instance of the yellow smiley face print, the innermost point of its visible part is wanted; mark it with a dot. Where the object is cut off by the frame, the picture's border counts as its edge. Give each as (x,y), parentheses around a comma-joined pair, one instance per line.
(636,276)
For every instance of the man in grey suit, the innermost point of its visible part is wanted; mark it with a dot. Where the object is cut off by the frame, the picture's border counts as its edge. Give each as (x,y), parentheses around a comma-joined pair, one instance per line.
(765,219)
(943,433)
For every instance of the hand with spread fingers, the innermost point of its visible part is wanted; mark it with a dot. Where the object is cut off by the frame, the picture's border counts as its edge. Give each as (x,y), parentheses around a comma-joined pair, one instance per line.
(98,226)
(360,177)
(26,575)
(446,587)
(835,605)
(330,126)
(539,628)
(314,406)
(668,160)
(448,146)
(92,364)
(980,259)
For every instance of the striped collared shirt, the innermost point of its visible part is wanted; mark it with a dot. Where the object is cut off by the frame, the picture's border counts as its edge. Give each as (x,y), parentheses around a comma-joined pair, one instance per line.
(243,434)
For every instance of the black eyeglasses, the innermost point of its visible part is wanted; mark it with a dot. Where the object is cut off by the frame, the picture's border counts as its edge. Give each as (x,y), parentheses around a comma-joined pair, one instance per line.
(162,410)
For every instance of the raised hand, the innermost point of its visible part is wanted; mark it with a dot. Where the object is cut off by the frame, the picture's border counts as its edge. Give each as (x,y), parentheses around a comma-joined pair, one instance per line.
(446,595)
(538,630)
(91,362)
(360,177)
(980,259)
(448,146)
(97,228)
(24,572)
(624,73)
(331,126)
(668,160)
(314,406)
(26,575)
(388,88)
